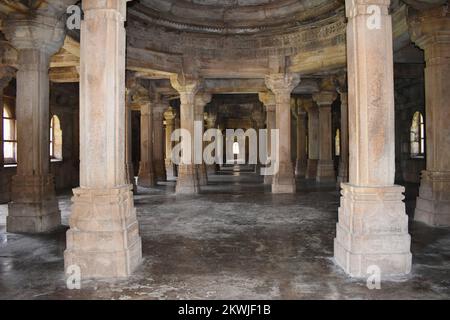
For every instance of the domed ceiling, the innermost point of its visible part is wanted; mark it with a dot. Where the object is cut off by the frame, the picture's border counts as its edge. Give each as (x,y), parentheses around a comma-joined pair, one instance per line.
(233,16)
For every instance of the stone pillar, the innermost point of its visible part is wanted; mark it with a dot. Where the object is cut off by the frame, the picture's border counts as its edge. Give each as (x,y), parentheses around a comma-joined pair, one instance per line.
(300,166)
(103,239)
(282,85)
(201,100)
(211,124)
(146,176)
(430,32)
(343,160)
(187,182)
(129,168)
(6,74)
(373,226)
(325,167)
(268,99)
(169,116)
(313,139)
(33,207)
(158,140)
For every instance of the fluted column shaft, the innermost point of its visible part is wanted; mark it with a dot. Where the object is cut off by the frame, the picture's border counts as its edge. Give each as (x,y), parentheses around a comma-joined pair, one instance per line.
(300,166)
(169,116)
(313,139)
(343,160)
(158,140)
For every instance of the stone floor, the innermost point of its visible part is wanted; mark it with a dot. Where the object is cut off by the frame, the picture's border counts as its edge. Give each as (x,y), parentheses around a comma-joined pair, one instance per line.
(234,241)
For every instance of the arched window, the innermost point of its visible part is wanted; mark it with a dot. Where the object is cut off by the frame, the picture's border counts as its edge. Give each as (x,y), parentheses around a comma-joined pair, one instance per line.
(418,136)
(9,137)
(55,139)
(337,143)
(236,148)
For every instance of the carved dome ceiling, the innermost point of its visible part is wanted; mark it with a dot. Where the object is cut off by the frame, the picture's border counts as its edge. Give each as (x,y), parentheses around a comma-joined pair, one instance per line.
(233,16)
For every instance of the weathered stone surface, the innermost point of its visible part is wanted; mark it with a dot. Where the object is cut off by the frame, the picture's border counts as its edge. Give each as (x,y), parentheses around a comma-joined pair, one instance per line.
(103,239)
(282,85)
(373,225)
(429,31)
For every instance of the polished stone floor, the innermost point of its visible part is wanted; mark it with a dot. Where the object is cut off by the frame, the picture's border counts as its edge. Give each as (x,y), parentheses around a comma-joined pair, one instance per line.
(234,241)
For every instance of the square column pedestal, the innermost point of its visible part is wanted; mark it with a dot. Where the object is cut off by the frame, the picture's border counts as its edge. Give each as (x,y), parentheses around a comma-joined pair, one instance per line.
(34,208)
(433,203)
(372,230)
(104,236)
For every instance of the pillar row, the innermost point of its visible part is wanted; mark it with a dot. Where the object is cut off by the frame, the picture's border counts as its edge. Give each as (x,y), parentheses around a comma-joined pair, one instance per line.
(373,226)
(103,239)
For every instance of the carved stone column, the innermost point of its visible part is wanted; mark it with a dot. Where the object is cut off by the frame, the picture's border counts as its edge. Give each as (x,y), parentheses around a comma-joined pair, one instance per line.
(430,32)
(211,124)
(268,99)
(302,159)
(158,139)
(343,161)
(169,116)
(6,74)
(201,100)
(187,182)
(103,239)
(313,139)
(146,176)
(34,207)
(282,85)
(373,226)
(129,168)
(325,167)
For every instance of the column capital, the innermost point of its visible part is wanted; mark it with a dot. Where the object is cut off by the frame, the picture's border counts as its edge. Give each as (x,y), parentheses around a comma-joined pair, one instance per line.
(430,27)
(185,85)
(309,106)
(268,99)
(282,83)
(40,32)
(324,98)
(354,8)
(120,6)
(170,114)
(201,100)
(211,120)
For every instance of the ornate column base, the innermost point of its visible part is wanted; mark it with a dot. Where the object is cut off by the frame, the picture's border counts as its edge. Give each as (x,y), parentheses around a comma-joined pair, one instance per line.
(34,207)
(433,203)
(325,171)
(284,180)
(300,168)
(5,194)
(146,177)
(103,239)
(311,169)
(160,170)
(170,169)
(372,230)
(202,175)
(187,182)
